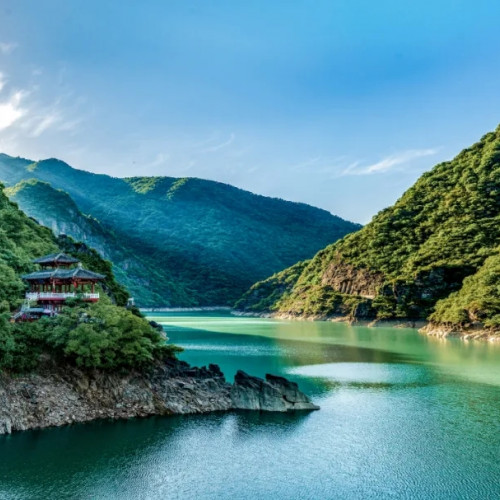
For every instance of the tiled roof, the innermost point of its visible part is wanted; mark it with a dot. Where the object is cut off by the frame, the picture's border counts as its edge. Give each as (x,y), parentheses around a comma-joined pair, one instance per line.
(60,258)
(77,272)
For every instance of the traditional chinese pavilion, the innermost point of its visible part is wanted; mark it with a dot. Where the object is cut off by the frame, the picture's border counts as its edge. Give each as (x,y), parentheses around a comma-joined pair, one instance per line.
(60,278)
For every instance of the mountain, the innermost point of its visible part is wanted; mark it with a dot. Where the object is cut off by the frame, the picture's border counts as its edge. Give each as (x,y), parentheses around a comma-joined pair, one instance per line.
(179,242)
(23,239)
(56,210)
(434,252)
(99,336)
(33,194)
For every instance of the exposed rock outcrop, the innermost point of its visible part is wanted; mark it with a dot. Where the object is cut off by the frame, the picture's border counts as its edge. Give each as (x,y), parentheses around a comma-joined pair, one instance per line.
(60,396)
(474,331)
(272,394)
(346,278)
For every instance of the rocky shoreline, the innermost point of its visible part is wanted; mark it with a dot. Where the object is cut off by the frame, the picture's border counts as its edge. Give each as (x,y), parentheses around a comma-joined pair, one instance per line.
(474,332)
(373,323)
(56,396)
(186,309)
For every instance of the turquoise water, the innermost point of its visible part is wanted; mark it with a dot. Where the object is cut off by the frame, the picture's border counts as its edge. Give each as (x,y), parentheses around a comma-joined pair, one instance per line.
(402,416)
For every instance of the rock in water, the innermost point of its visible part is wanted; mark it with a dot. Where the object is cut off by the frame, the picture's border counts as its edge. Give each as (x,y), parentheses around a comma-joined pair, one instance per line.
(272,394)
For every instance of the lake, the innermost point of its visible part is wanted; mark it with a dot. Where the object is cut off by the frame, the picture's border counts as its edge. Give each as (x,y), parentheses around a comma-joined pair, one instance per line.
(402,415)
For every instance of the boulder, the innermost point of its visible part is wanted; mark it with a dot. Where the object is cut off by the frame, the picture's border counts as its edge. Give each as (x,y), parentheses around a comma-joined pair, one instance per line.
(272,394)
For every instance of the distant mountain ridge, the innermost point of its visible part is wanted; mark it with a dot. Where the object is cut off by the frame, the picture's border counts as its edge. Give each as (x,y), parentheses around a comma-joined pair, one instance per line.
(433,254)
(173,242)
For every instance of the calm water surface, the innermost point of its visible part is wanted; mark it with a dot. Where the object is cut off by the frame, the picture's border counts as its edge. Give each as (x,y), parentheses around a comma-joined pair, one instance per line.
(402,416)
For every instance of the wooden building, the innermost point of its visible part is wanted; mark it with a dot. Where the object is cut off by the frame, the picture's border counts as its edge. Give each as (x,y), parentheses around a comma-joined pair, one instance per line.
(61,277)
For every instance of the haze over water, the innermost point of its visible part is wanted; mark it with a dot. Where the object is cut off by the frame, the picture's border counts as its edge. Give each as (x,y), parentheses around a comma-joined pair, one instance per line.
(402,415)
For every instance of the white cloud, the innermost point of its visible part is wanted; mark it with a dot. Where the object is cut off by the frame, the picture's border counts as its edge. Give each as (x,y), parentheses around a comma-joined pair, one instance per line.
(10,110)
(160,159)
(388,163)
(45,123)
(25,116)
(70,125)
(7,47)
(222,145)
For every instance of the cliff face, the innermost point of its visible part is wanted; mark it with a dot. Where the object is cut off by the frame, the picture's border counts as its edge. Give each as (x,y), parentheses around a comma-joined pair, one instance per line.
(56,210)
(346,278)
(60,396)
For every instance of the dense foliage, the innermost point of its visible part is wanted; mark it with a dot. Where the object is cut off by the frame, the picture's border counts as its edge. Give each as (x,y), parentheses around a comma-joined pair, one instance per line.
(37,197)
(91,259)
(99,336)
(173,241)
(477,300)
(440,231)
(21,240)
(102,335)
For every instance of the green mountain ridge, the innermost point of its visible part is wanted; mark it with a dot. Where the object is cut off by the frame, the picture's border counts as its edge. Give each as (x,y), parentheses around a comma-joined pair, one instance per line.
(434,253)
(179,242)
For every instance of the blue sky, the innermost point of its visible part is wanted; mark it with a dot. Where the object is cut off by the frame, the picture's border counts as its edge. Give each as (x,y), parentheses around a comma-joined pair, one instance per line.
(340,104)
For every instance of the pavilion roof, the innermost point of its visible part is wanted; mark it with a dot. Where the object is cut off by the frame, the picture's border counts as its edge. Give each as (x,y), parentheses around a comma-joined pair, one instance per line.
(56,258)
(64,274)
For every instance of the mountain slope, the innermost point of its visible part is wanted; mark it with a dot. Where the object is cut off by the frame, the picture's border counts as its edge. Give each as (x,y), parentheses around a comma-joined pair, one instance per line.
(409,256)
(22,240)
(90,337)
(55,209)
(174,241)
(478,300)
(32,194)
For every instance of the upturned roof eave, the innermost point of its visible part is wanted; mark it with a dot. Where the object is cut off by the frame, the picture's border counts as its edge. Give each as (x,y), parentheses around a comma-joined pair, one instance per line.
(69,274)
(56,257)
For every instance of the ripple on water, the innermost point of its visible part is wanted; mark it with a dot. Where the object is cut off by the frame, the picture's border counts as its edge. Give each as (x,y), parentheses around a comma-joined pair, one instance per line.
(239,350)
(364,373)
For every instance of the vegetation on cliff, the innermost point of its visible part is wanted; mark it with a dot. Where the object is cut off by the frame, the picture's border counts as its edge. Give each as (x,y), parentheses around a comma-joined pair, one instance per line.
(178,242)
(412,254)
(21,240)
(98,336)
(477,301)
(101,335)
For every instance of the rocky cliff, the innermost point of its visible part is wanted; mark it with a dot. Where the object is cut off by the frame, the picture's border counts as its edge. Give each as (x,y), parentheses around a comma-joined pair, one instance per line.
(58,396)
(346,278)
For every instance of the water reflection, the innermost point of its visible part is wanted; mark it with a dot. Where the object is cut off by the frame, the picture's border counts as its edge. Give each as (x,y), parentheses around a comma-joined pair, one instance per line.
(330,342)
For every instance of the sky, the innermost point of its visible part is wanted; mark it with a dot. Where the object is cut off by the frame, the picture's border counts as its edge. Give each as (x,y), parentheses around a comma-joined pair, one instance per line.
(341,104)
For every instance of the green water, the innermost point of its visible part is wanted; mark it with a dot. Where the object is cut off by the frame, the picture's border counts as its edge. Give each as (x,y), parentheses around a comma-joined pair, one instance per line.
(402,416)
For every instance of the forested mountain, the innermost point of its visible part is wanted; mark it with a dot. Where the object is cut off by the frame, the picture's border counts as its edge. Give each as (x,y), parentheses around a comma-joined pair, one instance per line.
(101,335)
(410,261)
(22,240)
(180,242)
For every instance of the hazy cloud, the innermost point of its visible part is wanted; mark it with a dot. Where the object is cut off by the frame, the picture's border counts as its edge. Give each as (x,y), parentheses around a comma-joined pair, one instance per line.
(219,146)
(159,159)
(26,113)
(388,163)
(7,47)
(45,123)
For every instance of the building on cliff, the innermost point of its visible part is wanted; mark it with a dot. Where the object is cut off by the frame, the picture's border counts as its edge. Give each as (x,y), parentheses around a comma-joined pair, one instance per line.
(60,278)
